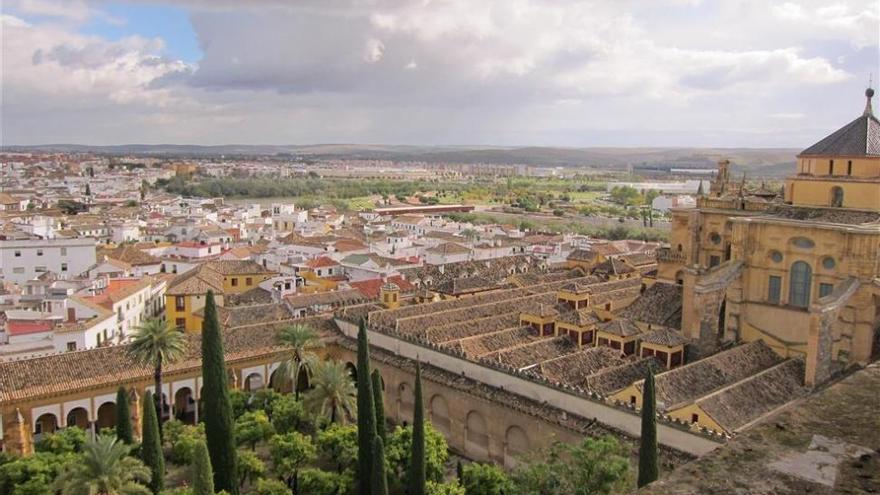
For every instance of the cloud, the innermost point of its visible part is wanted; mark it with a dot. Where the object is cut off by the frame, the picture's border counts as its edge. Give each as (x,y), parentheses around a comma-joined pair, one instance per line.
(494,71)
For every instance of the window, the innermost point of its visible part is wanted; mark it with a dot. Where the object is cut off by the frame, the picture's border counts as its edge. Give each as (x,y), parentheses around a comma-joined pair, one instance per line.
(837,196)
(17,253)
(774,289)
(235,282)
(830,167)
(18,269)
(248,281)
(803,243)
(39,252)
(180,323)
(64,251)
(39,268)
(695,418)
(828,263)
(776,256)
(714,260)
(801,281)
(71,346)
(63,267)
(825,289)
(849,167)
(632,399)
(715,238)
(180,303)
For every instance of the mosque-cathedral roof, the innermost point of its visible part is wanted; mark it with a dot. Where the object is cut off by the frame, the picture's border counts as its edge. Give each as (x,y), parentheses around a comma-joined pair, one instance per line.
(861,137)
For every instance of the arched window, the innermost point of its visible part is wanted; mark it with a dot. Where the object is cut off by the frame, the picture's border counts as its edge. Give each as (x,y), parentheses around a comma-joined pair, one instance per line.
(801,281)
(837,196)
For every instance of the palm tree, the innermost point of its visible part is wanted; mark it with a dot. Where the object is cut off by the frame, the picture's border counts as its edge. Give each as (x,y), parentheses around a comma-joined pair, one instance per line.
(302,341)
(104,468)
(334,394)
(156,343)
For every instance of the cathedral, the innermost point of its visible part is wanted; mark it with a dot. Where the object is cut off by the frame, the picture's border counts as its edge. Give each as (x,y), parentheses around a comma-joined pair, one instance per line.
(799,268)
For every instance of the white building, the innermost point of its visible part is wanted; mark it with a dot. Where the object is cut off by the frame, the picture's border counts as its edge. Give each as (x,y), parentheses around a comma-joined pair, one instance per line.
(23,260)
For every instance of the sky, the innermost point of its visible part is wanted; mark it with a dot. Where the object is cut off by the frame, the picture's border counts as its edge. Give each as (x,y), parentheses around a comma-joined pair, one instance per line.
(635,73)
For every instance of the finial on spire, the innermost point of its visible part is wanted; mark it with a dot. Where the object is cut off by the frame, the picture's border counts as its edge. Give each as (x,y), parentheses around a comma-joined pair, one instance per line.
(869,93)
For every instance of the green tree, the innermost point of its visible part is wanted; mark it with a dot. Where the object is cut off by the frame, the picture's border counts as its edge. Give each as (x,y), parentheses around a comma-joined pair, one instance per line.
(63,441)
(217,407)
(648,451)
(290,452)
(240,401)
(366,417)
(183,439)
(270,487)
(124,430)
(202,474)
(596,466)
(334,393)
(398,452)
(156,343)
(302,342)
(416,478)
(379,404)
(484,479)
(289,414)
(105,468)
(252,428)
(337,446)
(317,482)
(435,488)
(32,475)
(379,476)
(250,467)
(151,444)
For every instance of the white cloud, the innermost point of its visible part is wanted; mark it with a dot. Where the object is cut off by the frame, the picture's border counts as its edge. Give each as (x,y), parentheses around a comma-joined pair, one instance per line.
(487,71)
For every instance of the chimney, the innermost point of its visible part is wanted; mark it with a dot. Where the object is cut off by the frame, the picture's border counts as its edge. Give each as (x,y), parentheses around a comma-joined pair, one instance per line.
(71,315)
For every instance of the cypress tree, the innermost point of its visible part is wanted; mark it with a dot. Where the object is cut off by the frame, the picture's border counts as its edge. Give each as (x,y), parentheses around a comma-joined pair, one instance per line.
(217,407)
(366,413)
(648,451)
(380,478)
(379,403)
(417,463)
(151,444)
(124,430)
(459,472)
(202,475)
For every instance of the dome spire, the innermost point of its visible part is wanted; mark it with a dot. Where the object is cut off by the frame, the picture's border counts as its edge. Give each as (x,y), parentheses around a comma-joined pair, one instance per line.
(869,93)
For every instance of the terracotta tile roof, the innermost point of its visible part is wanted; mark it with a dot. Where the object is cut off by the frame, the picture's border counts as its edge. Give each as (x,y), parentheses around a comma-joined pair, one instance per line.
(21,327)
(321,262)
(620,327)
(132,255)
(448,249)
(658,305)
(199,280)
(79,370)
(237,267)
(334,298)
(751,398)
(613,266)
(683,385)
(574,368)
(371,288)
(665,337)
(611,380)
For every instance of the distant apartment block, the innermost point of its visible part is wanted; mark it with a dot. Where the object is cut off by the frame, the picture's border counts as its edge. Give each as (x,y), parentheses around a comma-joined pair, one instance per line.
(23,260)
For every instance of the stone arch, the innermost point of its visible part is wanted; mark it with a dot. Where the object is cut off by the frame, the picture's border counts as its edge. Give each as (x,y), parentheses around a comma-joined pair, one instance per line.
(46,423)
(185,405)
(79,417)
(476,436)
(439,410)
(679,277)
(279,383)
(253,382)
(405,401)
(106,415)
(516,444)
(352,370)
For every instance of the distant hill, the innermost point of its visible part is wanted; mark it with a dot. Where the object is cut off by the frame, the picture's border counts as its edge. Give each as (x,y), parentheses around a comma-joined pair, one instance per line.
(769,161)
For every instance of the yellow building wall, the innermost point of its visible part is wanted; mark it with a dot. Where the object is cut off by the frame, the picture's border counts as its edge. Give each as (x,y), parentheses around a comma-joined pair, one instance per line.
(192,304)
(864,194)
(686,414)
(241,284)
(860,167)
(627,394)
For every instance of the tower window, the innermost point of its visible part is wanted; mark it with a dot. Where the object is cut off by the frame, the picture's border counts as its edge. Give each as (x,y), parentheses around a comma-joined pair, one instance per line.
(830,167)
(801,281)
(849,167)
(837,196)
(774,289)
